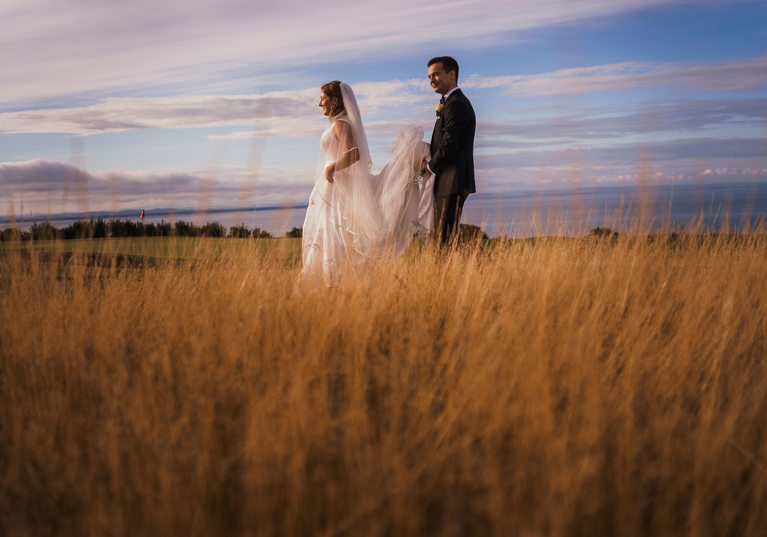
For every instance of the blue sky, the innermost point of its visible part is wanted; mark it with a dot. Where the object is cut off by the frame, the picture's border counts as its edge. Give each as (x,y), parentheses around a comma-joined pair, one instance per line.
(105,106)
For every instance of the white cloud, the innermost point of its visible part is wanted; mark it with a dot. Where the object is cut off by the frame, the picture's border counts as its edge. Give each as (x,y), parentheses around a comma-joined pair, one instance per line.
(120,114)
(744,74)
(43,186)
(56,187)
(293,113)
(54,49)
(669,117)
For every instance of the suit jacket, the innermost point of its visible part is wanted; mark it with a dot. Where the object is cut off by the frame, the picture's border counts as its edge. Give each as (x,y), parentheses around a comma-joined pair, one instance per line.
(452,147)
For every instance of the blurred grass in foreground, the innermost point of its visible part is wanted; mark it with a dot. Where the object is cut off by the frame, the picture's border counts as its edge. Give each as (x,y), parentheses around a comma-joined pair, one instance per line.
(157,247)
(581,386)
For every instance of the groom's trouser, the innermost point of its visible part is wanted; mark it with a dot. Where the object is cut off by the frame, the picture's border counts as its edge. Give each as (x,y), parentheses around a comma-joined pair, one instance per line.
(447,216)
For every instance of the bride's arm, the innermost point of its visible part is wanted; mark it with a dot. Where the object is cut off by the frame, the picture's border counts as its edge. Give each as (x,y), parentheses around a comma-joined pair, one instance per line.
(349,153)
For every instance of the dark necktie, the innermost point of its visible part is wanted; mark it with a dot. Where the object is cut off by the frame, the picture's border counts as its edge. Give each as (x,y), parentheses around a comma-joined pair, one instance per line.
(442,100)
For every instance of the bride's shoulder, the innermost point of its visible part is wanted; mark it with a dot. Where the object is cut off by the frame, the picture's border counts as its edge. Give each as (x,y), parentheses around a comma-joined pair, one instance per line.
(341,120)
(341,125)
(340,116)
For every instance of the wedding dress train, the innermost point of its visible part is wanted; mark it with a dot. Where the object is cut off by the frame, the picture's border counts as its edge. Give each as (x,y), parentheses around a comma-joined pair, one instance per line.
(404,196)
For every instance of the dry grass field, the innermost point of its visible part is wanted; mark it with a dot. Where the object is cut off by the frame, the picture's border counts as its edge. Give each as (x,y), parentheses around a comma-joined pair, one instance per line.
(555,387)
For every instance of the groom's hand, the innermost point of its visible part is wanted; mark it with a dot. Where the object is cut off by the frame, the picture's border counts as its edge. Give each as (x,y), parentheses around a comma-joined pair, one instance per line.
(329,171)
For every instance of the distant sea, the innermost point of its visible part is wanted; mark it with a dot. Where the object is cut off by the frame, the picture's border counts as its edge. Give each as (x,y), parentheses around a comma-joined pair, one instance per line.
(519,214)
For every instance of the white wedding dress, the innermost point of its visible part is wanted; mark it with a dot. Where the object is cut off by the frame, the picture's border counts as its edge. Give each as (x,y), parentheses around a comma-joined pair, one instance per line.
(360,217)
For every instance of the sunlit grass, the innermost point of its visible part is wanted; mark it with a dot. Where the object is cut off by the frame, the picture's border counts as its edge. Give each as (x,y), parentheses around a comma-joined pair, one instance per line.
(571,386)
(156,247)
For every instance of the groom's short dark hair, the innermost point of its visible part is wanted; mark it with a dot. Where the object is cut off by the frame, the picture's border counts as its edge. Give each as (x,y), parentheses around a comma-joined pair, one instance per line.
(448,64)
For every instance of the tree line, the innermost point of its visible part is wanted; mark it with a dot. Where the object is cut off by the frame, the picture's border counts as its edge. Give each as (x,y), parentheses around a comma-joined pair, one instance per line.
(100,228)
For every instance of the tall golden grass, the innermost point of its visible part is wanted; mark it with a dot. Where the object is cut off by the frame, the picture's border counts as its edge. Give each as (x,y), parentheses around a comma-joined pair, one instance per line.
(580,386)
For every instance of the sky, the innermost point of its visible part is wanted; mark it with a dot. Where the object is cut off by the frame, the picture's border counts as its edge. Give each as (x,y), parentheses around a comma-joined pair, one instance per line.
(109,106)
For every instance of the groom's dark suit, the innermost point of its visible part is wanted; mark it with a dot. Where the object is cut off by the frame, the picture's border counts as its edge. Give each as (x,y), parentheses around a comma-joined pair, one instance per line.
(452,162)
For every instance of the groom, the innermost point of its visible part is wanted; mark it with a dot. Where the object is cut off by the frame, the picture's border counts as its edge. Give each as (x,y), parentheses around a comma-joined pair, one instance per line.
(452,148)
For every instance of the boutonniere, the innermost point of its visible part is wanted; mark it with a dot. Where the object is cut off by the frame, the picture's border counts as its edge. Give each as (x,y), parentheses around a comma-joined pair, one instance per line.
(440,107)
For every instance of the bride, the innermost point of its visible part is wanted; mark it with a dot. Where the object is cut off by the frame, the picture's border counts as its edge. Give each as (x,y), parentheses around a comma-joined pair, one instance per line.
(354,217)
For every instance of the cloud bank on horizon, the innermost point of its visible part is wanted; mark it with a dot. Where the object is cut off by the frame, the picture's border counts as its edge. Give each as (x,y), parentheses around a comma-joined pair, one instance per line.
(166,105)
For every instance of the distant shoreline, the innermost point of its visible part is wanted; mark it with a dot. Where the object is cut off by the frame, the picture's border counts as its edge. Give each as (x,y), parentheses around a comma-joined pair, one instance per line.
(133,214)
(524,212)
